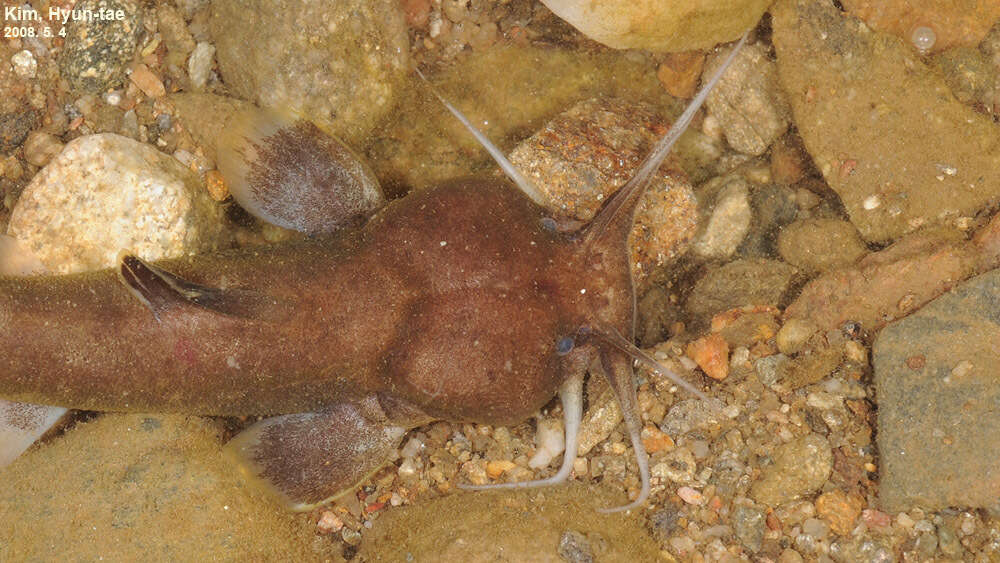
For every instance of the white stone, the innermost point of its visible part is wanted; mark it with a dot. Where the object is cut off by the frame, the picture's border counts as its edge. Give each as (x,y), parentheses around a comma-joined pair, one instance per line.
(200,64)
(106,193)
(25,64)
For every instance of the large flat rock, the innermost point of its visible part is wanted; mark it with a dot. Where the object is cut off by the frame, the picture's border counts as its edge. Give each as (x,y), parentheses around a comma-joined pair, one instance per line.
(882,126)
(937,377)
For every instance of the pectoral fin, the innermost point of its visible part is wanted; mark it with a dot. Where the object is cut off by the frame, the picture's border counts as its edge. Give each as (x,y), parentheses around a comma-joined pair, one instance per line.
(286,171)
(160,291)
(310,459)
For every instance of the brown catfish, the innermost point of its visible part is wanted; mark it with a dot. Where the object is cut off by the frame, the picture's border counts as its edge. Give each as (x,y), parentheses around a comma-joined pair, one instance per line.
(462,302)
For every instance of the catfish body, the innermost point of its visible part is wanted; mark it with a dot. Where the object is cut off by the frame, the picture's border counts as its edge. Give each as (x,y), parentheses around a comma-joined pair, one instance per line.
(449,299)
(462,302)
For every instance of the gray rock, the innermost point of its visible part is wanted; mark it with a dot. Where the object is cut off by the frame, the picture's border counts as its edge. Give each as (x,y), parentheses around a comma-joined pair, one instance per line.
(948,540)
(774,206)
(574,547)
(340,64)
(969,73)
(747,101)
(857,96)
(692,414)
(739,283)
(14,128)
(106,193)
(938,390)
(770,368)
(97,51)
(748,523)
(800,468)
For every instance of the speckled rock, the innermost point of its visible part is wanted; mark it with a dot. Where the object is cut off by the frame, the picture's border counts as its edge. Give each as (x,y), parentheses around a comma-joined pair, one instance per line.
(14,128)
(586,153)
(936,377)
(817,245)
(880,125)
(747,101)
(126,487)
(106,193)
(954,22)
(800,467)
(340,64)
(97,51)
(671,25)
(969,73)
(738,283)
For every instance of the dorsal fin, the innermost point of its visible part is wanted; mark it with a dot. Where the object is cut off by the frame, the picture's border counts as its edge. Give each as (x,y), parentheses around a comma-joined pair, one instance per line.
(161,291)
(285,170)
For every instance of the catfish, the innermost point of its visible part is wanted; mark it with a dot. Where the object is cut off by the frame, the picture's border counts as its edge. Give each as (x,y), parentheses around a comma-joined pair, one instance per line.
(465,302)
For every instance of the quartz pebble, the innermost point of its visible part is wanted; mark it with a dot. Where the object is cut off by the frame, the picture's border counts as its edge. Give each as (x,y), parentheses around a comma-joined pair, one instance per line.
(200,64)
(149,83)
(690,495)
(24,63)
(105,193)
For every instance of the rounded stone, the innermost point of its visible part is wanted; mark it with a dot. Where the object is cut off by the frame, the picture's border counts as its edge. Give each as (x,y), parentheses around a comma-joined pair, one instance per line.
(818,245)
(97,51)
(106,193)
(660,25)
(339,64)
(800,468)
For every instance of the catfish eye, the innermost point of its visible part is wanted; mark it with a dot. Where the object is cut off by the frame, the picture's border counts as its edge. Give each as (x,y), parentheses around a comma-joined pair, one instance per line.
(549,224)
(564,346)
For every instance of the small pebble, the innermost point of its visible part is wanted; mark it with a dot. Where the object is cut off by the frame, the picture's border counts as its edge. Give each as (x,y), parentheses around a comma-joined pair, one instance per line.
(350,536)
(840,510)
(876,518)
(711,353)
(113,97)
(41,147)
(149,83)
(679,73)
(24,63)
(549,442)
(574,547)
(200,64)
(329,522)
(655,440)
(690,495)
(792,337)
(494,469)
